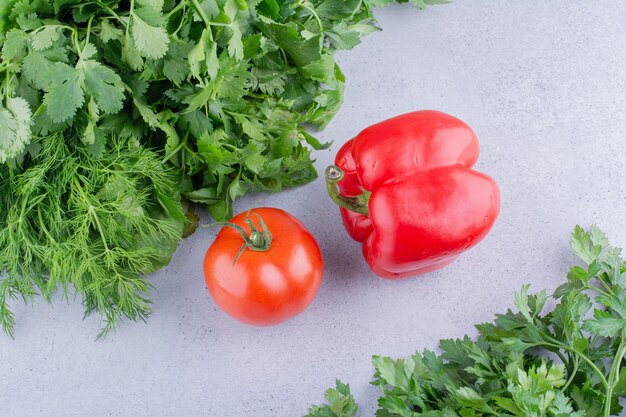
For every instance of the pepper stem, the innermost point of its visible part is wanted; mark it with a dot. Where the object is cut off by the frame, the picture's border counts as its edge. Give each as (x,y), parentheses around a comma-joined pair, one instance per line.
(258,240)
(358,204)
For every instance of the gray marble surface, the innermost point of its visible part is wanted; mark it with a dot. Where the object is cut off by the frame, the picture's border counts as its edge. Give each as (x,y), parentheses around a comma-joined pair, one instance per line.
(543,83)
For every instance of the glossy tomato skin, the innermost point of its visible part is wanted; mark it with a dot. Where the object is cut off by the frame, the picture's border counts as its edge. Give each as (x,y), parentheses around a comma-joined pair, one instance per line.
(264,288)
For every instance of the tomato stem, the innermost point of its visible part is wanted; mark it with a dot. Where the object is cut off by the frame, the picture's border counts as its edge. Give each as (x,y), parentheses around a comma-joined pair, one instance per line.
(258,241)
(358,204)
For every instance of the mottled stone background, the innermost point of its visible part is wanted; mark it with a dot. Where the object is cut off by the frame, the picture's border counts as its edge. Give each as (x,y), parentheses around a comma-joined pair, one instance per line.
(543,83)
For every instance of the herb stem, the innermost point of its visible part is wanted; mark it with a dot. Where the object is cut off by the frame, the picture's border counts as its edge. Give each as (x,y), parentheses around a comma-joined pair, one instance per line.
(596,289)
(200,11)
(130,15)
(572,374)
(88,30)
(604,284)
(614,376)
(582,356)
(43,225)
(180,5)
(6,79)
(113,13)
(92,213)
(306,5)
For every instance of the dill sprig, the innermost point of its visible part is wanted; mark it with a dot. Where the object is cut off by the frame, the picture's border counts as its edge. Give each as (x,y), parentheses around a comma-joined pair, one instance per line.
(90,226)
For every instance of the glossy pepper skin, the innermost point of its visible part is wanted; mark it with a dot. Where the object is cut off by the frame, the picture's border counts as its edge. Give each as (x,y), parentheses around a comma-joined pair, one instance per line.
(407,190)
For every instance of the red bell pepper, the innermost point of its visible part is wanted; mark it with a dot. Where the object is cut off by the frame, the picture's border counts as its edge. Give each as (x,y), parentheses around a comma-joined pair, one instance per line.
(407,190)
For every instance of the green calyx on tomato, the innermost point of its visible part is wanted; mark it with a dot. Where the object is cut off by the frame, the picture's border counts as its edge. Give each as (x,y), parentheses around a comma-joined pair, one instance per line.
(258,240)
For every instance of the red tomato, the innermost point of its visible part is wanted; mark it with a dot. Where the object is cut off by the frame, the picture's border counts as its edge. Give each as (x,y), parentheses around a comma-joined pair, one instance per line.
(270,276)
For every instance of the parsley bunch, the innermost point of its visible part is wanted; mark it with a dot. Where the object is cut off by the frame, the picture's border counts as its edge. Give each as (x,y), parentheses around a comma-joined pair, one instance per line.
(531,363)
(112,110)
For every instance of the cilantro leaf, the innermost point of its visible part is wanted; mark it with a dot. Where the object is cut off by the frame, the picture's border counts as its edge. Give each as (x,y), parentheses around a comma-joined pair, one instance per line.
(151,40)
(103,84)
(15,44)
(108,32)
(15,128)
(37,63)
(64,94)
(45,38)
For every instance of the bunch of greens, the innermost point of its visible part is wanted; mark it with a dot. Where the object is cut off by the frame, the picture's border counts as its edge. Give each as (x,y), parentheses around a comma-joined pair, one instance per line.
(565,362)
(111,110)
(223,87)
(95,224)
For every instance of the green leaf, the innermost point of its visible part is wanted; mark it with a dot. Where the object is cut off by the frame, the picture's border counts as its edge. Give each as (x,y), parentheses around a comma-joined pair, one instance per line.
(103,84)
(620,386)
(131,56)
(391,372)
(256,162)
(171,205)
(15,44)
(287,36)
(211,8)
(89,135)
(269,8)
(150,41)
(197,123)
(59,4)
(235,43)
(344,36)
(64,94)
(321,70)
(314,142)
(339,403)
(587,245)
(82,12)
(207,195)
(28,21)
(96,148)
(577,273)
(109,33)
(172,136)
(36,65)
(176,65)
(45,38)
(467,397)
(604,325)
(337,10)
(155,4)
(146,112)
(15,128)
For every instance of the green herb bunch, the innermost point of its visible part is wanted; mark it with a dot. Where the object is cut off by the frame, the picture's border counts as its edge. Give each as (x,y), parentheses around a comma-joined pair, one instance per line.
(223,87)
(97,225)
(531,363)
(112,110)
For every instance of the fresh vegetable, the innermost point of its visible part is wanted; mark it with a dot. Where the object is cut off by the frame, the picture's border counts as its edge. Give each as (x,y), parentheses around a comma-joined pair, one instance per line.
(97,225)
(217,91)
(264,267)
(407,190)
(565,362)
